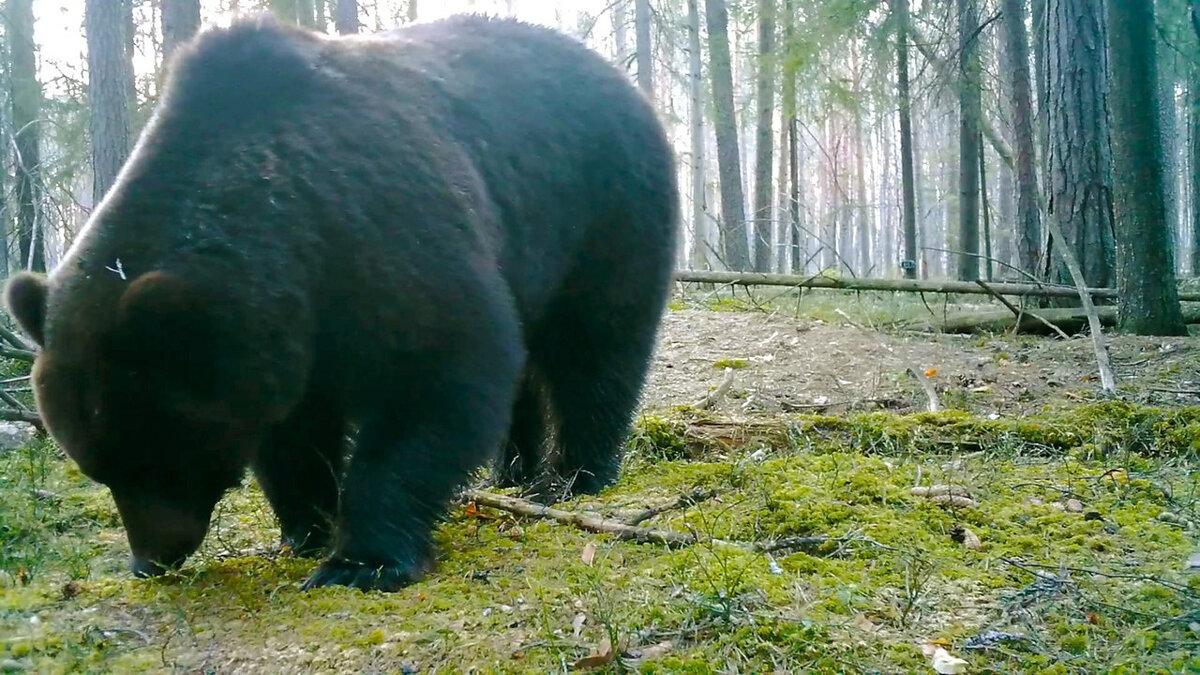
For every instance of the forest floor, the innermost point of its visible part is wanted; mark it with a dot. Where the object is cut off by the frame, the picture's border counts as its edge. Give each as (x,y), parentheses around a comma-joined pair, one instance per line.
(1062,548)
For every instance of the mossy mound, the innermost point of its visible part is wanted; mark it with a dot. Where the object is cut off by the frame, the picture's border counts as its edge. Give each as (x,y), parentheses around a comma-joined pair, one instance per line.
(1069,548)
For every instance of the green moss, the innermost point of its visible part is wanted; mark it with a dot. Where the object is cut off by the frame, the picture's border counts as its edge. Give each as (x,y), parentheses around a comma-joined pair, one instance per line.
(735,364)
(507,592)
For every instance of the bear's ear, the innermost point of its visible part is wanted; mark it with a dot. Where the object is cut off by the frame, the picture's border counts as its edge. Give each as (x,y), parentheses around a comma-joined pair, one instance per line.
(168,327)
(25,296)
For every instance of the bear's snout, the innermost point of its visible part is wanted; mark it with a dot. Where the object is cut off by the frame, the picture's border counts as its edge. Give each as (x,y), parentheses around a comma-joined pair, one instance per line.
(161,535)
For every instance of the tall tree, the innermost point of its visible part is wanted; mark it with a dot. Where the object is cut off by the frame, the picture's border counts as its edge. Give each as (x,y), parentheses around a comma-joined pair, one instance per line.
(345,17)
(700,237)
(1194,153)
(1029,221)
(791,130)
(412,11)
(26,117)
(969,113)
(908,184)
(764,136)
(1079,150)
(110,77)
(1148,298)
(645,72)
(729,165)
(180,21)
(296,11)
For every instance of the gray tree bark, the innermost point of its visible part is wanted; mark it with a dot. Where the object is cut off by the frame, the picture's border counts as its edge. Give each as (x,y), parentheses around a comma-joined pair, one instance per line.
(110,78)
(345,17)
(733,205)
(764,143)
(970,110)
(641,20)
(26,114)
(1029,220)
(795,236)
(180,21)
(700,258)
(1148,298)
(1079,152)
(907,176)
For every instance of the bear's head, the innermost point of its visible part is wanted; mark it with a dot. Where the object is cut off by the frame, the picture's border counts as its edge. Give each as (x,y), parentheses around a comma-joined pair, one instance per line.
(138,382)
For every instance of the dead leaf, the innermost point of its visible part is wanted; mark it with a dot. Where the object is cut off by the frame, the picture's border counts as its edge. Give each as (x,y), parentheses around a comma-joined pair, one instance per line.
(931,372)
(589,553)
(655,651)
(601,656)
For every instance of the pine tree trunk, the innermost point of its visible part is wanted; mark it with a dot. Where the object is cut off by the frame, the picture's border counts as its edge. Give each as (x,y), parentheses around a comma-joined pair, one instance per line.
(764,137)
(791,124)
(110,74)
(1194,174)
(1080,154)
(620,30)
(345,17)
(907,174)
(641,20)
(180,21)
(729,165)
(26,113)
(970,110)
(1148,297)
(412,11)
(700,258)
(1029,220)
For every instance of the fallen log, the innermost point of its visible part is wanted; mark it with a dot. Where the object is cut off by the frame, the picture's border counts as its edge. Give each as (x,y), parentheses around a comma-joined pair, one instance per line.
(898,285)
(1068,320)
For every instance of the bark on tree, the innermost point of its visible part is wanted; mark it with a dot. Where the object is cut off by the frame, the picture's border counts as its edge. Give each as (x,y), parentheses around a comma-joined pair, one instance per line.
(1080,153)
(862,213)
(1029,220)
(412,11)
(764,137)
(180,21)
(110,77)
(1194,150)
(969,111)
(700,236)
(733,205)
(620,30)
(296,11)
(907,177)
(345,17)
(1148,298)
(26,112)
(791,130)
(641,20)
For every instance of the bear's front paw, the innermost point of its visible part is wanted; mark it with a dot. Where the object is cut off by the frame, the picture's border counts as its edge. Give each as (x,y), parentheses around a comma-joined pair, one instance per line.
(387,578)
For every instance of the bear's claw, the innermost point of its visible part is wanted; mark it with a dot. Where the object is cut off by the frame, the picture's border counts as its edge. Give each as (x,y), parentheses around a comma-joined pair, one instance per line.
(338,572)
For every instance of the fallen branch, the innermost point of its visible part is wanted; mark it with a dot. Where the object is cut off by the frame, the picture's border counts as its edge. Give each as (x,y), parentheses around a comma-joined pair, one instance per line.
(15,340)
(1020,312)
(1066,320)
(714,397)
(17,354)
(15,415)
(589,523)
(692,498)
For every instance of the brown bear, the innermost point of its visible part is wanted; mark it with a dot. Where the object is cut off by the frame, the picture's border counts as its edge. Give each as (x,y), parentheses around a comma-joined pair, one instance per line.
(363,267)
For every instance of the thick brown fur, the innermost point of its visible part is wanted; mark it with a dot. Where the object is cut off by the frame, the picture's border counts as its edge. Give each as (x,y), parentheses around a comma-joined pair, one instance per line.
(451,242)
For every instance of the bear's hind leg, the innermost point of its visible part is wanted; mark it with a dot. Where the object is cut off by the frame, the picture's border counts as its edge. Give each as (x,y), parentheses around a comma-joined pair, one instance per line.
(521,457)
(298,467)
(595,369)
